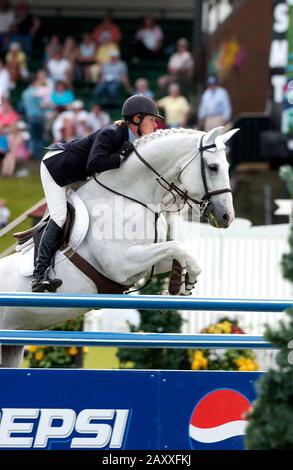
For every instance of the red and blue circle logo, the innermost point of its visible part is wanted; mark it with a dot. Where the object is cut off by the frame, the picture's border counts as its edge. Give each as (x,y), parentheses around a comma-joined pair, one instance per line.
(218,416)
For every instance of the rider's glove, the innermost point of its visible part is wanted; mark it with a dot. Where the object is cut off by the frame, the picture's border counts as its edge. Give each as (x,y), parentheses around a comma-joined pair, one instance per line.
(126,150)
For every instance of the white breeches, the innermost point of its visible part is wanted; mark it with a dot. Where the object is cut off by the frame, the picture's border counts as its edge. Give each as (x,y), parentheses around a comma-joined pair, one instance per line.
(55,197)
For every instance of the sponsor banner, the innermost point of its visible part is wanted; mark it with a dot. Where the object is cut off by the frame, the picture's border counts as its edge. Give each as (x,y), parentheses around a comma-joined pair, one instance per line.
(278,59)
(148,410)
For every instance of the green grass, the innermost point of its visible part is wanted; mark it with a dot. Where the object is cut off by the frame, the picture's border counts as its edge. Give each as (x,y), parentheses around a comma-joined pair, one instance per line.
(20,194)
(101,358)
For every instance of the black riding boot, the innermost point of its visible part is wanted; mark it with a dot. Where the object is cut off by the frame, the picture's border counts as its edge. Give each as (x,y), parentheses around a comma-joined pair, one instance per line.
(49,244)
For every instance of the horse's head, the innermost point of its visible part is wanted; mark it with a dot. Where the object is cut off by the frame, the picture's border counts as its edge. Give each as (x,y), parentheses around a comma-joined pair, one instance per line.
(214,170)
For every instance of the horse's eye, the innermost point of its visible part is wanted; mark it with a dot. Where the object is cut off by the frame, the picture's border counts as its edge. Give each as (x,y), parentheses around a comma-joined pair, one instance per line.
(214,168)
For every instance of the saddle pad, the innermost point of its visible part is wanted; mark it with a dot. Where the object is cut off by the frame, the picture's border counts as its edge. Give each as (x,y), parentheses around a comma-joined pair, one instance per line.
(78,233)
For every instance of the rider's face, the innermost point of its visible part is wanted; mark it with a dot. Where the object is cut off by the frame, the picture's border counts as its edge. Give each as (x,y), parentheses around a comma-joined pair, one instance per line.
(148,125)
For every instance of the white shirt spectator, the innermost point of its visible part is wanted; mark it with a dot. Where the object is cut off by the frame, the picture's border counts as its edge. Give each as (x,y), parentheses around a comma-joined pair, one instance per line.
(5,83)
(58,69)
(7,19)
(181,61)
(114,71)
(150,37)
(58,124)
(4,216)
(215,102)
(98,121)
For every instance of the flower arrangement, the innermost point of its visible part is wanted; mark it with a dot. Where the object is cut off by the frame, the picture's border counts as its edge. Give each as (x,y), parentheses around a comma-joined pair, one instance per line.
(231,359)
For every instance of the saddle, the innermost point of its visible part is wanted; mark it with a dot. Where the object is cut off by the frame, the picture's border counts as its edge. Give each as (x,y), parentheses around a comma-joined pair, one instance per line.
(36,232)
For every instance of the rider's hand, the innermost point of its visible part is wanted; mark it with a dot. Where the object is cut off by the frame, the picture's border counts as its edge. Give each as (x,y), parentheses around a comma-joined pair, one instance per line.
(126,150)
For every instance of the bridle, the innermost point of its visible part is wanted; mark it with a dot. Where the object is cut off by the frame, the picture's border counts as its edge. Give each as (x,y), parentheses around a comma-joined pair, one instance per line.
(205,204)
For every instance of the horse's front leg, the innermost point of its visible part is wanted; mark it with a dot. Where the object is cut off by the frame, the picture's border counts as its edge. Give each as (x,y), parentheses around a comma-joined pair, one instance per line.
(140,258)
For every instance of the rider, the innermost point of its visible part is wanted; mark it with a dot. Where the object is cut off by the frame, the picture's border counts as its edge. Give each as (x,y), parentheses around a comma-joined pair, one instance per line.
(66,163)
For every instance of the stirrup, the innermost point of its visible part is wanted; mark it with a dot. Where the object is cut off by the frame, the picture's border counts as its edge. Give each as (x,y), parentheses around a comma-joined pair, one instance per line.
(50,285)
(46,284)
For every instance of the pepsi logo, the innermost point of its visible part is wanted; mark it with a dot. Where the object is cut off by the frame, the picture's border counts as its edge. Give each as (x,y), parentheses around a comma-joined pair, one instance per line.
(218,416)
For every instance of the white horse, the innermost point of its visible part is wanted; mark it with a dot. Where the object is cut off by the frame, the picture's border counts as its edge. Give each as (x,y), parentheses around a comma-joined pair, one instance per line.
(126,252)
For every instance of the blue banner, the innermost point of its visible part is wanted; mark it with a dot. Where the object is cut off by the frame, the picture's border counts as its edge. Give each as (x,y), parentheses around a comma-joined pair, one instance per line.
(89,409)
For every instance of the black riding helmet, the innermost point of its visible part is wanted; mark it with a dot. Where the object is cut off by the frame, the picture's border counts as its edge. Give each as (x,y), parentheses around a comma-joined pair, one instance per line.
(142,105)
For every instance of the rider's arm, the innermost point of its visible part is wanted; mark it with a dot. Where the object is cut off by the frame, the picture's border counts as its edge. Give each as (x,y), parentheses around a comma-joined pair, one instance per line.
(101,156)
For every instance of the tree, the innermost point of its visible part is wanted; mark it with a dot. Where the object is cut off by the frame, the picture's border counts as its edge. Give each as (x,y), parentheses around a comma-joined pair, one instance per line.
(159,321)
(271,420)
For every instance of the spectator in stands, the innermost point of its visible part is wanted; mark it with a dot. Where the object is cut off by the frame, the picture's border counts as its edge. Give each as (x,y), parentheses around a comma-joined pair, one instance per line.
(27,26)
(62,95)
(7,20)
(58,124)
(16,62)
(59,68)
(175,106)
(18,139)
(53,46)
(104,51)
(45,87)
(148,40)
(98,118)
(70,52)
(4,145)
(5,81)
(76,114)
(215,107)
(70,162)
(114,76)
(110,27)
(86,57)
(4,213)
(142,88)
(68,130)
(35,114)
(180,65)
(180,69)
(8,115)
(81,118)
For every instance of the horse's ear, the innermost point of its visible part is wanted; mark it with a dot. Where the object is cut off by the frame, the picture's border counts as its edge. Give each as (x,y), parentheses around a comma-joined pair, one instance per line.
(211,136)
(227,136)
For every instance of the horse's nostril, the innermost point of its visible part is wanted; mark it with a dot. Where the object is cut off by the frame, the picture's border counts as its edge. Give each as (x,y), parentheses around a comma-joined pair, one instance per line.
(226,216)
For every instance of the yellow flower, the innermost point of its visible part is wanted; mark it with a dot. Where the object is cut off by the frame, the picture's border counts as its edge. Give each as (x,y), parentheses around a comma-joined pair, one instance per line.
(85,349)
(246,364)
(199,361)
(39,355)
(225,327)
(32,349)
(72,351)
(197,365)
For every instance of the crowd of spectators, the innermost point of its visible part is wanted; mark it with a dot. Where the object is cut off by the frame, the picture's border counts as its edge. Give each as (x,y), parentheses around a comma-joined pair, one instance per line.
(50,108)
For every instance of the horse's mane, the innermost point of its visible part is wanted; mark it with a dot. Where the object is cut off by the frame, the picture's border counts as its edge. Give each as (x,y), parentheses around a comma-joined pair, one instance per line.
(164,133)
